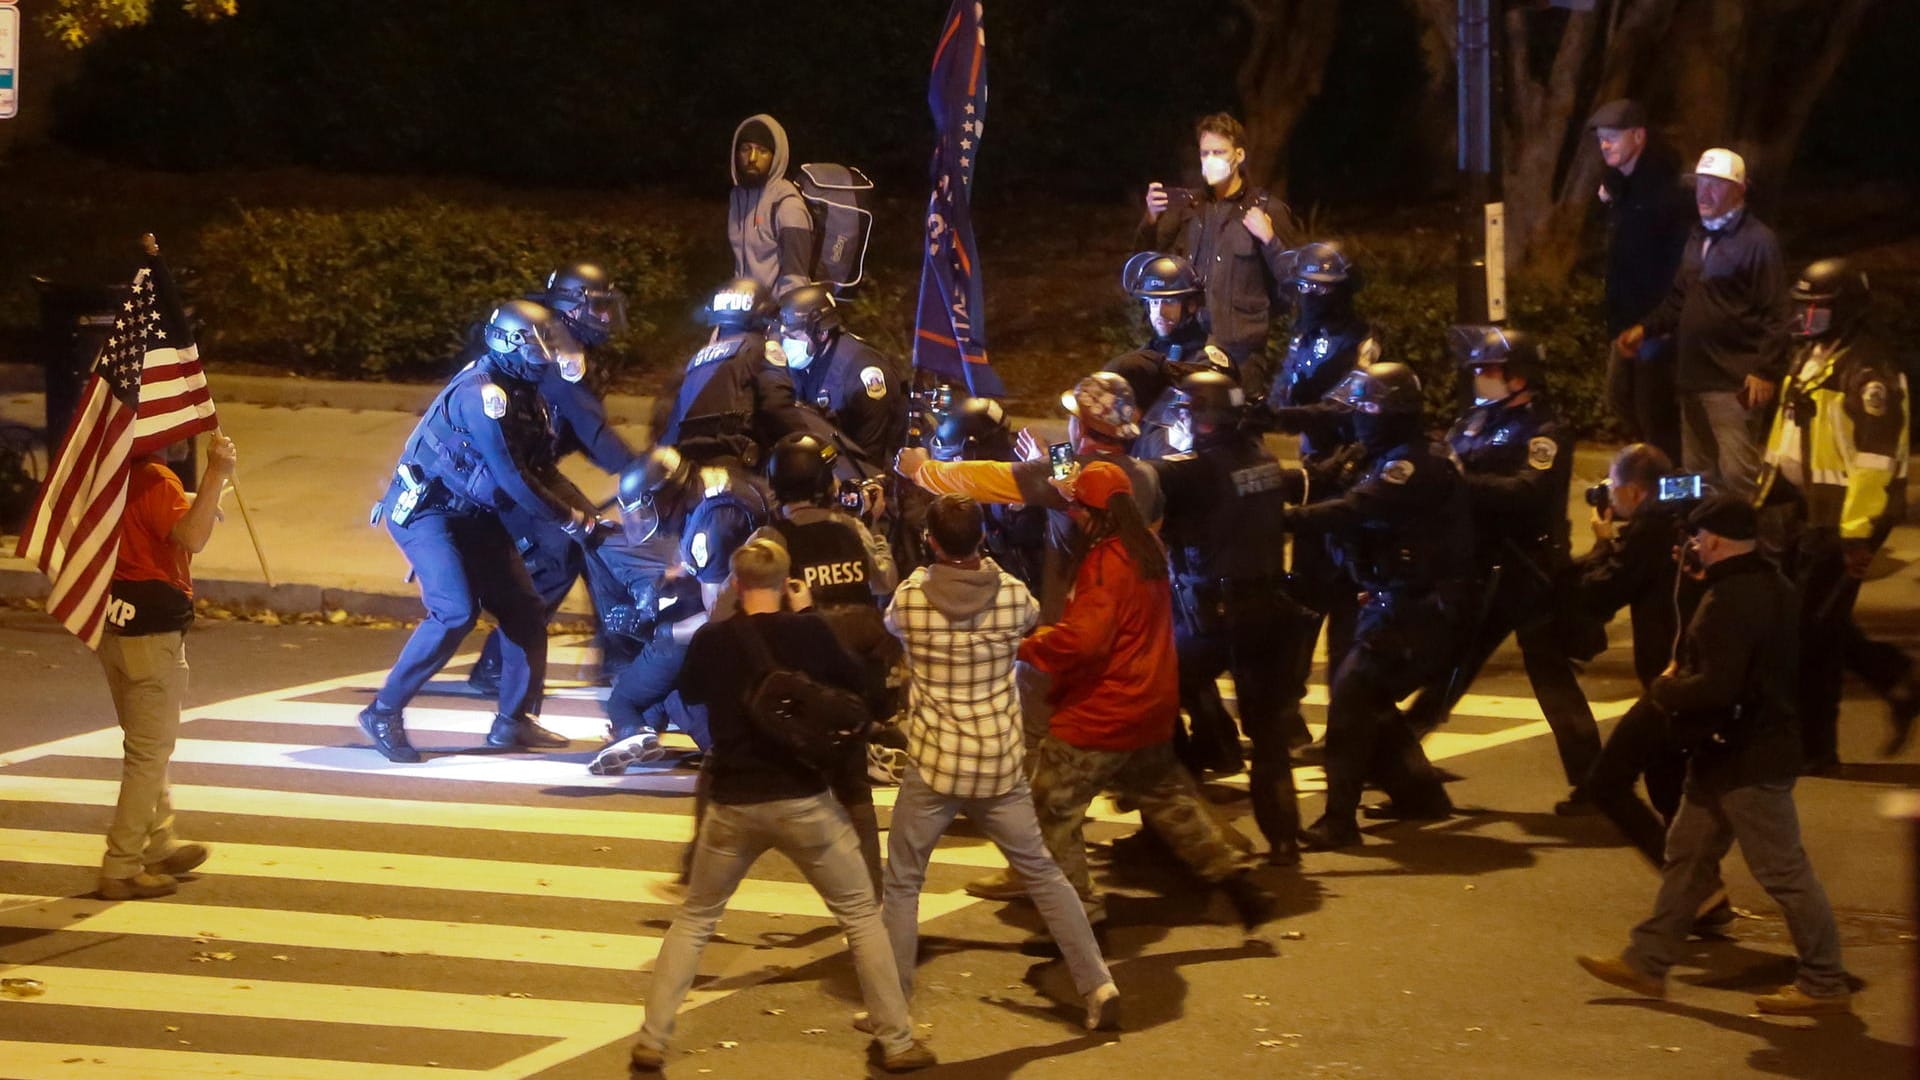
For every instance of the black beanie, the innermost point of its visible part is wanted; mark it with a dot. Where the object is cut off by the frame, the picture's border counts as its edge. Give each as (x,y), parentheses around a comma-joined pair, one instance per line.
(754,131)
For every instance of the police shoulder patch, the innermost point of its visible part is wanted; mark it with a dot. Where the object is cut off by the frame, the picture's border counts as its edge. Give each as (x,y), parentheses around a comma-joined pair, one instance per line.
(1397,471)
(1541,452)
(698,548)
(1873,398)
(493,400)
(1368,354)
(875,381)
(719,350)
(774,354)
(1216,358)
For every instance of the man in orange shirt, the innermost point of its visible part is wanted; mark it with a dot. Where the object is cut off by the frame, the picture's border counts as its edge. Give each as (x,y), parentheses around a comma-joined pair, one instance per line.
(144,654)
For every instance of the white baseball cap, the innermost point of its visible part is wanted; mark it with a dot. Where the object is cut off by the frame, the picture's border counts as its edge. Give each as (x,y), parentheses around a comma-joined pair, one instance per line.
(1724,164)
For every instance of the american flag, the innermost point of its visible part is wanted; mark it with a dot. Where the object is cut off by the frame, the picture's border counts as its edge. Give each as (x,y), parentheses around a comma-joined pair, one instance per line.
(146,392)
(949,330)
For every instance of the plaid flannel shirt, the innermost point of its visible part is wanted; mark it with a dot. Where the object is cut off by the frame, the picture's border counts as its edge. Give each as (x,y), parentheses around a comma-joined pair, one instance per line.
(963,715)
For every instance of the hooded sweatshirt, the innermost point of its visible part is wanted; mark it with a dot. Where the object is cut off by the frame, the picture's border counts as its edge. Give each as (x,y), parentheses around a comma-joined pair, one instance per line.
(961,628)
(767,224)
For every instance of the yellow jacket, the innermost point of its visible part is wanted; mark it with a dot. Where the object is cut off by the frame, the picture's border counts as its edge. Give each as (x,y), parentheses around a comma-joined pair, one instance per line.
(1840,437)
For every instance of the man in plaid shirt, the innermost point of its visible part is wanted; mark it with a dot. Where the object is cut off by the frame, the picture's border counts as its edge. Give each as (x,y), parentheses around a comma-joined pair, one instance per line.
(961,620)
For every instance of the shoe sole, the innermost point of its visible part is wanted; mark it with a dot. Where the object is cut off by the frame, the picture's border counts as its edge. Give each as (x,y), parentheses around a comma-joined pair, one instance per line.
(1613,979)
(612,762)
(176,869)
(1822,1009)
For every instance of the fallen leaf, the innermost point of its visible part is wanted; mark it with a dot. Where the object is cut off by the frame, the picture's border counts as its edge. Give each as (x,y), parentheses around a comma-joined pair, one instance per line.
(282,957)
(22,988)
(1271,1042)
(603,847)
(1470,888)
(775,1012)
(1476,1029)
(171,1027)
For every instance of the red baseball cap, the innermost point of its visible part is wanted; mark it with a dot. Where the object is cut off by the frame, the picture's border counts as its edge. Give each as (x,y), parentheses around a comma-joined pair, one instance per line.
(1098,482)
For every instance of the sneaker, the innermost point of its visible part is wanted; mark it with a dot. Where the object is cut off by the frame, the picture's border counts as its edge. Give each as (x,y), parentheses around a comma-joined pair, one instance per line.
(1103,1008)
(1005,885)
(634,750)
(1616,970)
(914,1055)
(1793,1001)
(514,731)
(647,1059)
(141,886)
(180,860)
(389,734)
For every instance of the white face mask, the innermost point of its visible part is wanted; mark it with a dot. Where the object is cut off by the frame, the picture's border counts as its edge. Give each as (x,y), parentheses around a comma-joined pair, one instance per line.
(797,355)
(1488,389)
(1216,169)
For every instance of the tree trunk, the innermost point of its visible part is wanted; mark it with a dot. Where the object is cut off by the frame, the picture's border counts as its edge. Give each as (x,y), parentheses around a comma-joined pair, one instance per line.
(1288,42)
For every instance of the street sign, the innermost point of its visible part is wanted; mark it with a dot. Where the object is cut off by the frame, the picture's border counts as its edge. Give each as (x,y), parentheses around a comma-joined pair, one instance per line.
(9,61)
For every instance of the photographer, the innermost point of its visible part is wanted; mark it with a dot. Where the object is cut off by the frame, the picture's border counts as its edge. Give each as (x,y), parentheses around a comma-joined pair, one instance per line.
(1728,700)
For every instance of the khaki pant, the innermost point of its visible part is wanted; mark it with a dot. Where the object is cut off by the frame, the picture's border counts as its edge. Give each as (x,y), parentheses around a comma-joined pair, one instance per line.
(147,676)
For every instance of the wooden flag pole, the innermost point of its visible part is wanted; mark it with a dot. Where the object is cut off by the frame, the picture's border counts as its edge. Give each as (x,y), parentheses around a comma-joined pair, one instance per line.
(152,247)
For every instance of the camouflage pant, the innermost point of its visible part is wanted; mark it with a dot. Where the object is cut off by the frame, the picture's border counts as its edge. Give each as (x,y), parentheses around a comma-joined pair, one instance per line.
(1067,778)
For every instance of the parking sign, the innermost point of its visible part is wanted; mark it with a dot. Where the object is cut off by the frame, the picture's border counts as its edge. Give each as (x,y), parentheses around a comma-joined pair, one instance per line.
(9,60)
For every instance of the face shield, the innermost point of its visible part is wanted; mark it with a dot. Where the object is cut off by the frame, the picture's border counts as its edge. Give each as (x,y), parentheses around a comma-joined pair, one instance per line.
(1813,319)
(526,342)
(594,315)
(1352,393)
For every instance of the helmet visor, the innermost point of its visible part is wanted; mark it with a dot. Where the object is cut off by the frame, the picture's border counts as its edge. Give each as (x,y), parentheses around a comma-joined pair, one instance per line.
(1813,319)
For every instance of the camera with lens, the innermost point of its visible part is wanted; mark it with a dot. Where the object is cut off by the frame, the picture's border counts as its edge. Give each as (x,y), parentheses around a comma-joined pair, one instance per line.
(1600,495)
(927,406)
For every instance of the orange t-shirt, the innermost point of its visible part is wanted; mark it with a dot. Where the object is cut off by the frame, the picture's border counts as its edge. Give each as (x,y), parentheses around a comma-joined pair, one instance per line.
(155,504)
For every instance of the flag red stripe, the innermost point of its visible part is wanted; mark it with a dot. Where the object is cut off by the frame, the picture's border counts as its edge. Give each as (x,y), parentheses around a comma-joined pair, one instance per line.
(29,545)
(78,474)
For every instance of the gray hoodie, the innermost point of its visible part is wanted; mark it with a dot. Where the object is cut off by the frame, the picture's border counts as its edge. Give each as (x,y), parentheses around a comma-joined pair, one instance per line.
(959,593)
(768,225)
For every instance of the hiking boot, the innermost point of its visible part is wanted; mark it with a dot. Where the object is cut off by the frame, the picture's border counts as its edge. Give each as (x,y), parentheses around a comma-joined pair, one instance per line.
(1005,885)
(1616,970)
(1793,1001)
(614,758)
(389,734)
(914,1055)
(141,886)
(512,731)
(1251,902)
(179,861)
(1103,1008)
(1329,835)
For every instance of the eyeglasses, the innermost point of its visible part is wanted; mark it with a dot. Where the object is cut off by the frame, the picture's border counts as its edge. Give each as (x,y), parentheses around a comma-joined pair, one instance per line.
(1313,288)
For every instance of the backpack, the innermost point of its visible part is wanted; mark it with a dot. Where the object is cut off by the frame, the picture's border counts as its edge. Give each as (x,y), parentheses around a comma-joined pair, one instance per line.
(819,724)
(838,199)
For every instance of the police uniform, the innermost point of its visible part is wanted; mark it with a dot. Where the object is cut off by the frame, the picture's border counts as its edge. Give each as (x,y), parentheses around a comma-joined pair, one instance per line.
(484,446)
(1403,534)
(1317,358)
(859,391)
(1224,508)
(1837,457)
(1518,463)
(733,400)
(1155,373)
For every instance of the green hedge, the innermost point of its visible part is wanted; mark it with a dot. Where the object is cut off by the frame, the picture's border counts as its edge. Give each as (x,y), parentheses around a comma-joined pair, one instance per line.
(390,292)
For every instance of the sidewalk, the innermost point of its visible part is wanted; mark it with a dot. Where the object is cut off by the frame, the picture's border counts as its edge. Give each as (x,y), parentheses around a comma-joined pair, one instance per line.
(315,454)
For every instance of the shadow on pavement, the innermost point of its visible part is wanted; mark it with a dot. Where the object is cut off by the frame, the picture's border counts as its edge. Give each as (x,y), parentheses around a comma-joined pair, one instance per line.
(1827,1048)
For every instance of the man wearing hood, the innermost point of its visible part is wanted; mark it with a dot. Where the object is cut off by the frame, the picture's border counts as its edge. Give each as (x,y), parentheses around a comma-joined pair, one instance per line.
(961,620)
(768,226)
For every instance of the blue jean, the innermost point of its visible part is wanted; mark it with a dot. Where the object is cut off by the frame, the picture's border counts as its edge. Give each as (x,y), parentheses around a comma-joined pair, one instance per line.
(466,562)
(814,832)
(645,684)
(921,816)
(1763,819)
(1722,439)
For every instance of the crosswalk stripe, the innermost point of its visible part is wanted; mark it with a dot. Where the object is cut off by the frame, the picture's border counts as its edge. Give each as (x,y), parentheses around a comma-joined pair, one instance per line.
(318,930)
(497,817)
(449,873)
(327,1003)
(86,1061)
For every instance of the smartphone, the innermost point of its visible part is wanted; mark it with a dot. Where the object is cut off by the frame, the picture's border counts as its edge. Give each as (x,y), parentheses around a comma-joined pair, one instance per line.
(1061,455)
(1680,488)
(852,499)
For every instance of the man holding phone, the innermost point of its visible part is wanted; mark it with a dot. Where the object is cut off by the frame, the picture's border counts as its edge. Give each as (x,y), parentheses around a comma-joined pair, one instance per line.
(1236,236)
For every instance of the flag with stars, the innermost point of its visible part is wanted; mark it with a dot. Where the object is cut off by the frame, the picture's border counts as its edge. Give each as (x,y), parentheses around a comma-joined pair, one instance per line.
(949,332)
(146,392)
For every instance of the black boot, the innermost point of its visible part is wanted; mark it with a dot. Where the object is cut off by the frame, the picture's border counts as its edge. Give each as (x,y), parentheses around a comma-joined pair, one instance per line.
(511,731)
(389,734)
(1329,835)
(485,677)
(1253,904)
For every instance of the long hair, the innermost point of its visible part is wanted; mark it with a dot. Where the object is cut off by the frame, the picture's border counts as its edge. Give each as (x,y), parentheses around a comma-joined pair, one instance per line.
(1122,520)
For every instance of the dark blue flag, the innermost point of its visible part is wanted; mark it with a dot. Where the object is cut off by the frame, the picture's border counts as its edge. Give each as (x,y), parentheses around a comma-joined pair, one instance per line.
(949,329)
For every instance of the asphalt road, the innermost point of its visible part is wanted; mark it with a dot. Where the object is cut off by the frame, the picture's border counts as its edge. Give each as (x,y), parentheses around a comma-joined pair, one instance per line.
(489,914)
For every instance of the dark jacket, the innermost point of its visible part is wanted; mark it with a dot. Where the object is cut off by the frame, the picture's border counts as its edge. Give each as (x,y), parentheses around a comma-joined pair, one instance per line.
(1518,463)
(1243,275)
(861,392)
(1728,308)
(1648,219)
(1731,700)
(1635,571)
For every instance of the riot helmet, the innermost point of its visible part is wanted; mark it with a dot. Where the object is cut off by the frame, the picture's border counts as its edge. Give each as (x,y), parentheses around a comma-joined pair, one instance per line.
(1158,280)
(807,316)
(1830,299)
(1212,403)
(975,431)
(1494,357)
(521,333)
(800,468)
(645,486)
(1385,401)
(1324,280)
(740,304)
(587,302)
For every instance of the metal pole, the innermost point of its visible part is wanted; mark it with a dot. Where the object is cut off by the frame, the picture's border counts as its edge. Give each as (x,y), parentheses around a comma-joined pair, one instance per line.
(1480,284)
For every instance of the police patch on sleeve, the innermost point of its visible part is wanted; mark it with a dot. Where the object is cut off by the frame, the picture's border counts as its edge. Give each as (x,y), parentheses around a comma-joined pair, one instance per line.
(493,401)
(1541,451)
(1397,471)
(698,549)
(1217,359)
(875,381)
(775,354)
(1873,398)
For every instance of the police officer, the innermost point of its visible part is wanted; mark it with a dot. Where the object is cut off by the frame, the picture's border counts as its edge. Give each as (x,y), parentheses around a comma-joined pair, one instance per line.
(1403,535)
(1016,534)
(735,397)
(1518,463)
(1836,463)
(1224,507)
(843,377)
(1170,291)
(485,443)
(727,504)
(590,311)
